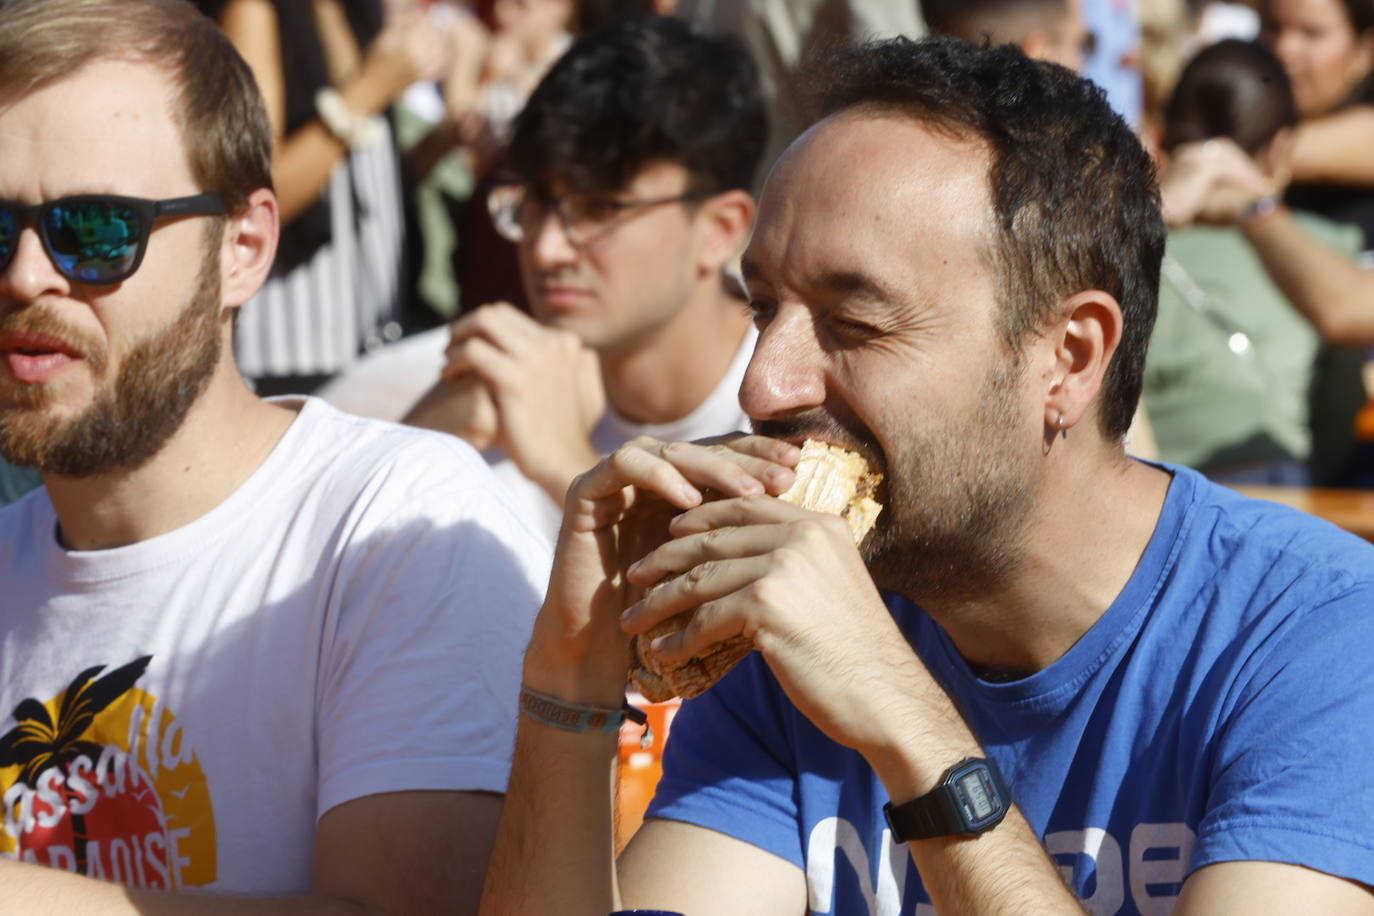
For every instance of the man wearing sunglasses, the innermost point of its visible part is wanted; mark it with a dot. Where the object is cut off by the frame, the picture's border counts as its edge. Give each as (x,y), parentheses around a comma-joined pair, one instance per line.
(630,169)
(248,649)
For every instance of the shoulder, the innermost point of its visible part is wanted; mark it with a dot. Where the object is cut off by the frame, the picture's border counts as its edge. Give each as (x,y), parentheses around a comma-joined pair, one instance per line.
(1259,554)
(389,473)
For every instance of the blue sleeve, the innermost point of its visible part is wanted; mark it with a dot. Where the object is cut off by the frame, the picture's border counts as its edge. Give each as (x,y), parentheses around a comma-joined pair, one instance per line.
(729,763)
(1294,759)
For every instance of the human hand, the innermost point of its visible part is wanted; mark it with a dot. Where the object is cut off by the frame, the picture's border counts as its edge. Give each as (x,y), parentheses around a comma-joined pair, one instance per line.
(460,406)
(409,50)
(614,514)
(1211,182)
(793,582)
(546,386)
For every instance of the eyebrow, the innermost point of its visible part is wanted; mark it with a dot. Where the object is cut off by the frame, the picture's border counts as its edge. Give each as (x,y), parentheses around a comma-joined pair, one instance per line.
(848,283)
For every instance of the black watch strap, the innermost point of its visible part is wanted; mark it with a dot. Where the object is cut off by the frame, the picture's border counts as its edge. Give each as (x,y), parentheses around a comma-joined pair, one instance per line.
(971,798)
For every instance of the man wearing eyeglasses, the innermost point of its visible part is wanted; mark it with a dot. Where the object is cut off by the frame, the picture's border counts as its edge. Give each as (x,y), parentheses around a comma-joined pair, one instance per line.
(248,649)
(630,168)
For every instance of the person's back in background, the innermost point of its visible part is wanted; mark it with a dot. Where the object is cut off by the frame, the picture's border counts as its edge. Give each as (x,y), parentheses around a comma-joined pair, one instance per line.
(1231,361)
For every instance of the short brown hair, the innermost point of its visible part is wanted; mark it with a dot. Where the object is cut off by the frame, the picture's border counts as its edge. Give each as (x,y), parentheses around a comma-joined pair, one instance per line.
(1075,203)
(221,115)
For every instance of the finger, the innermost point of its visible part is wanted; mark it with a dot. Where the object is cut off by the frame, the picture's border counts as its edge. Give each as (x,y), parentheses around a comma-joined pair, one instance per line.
(480,357)
(738,513)
(707,581)
(685,556)
(634,465)
(502,324)
(710,624)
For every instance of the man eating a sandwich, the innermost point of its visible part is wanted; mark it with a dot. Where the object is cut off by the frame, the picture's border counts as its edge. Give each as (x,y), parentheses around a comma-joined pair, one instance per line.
(1052,678)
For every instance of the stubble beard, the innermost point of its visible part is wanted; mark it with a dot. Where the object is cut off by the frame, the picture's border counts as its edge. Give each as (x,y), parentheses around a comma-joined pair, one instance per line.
(138,411)
(956,504)
(959,504)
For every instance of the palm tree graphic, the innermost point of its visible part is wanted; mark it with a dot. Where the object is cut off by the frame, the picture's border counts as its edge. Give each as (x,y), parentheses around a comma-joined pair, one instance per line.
(37,743)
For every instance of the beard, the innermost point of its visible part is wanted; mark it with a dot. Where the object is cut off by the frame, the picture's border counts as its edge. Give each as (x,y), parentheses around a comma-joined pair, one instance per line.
(956,501)
(135,413)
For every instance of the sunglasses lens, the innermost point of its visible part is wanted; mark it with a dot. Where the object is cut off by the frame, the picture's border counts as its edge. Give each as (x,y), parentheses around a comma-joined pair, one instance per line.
(9,234)
(94,241)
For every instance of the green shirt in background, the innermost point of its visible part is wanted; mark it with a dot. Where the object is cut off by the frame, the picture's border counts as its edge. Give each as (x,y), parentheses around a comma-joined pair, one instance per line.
(1230,364)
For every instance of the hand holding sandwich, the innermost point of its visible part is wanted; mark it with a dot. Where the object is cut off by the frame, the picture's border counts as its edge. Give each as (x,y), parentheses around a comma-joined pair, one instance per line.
(792,582)
(615,514)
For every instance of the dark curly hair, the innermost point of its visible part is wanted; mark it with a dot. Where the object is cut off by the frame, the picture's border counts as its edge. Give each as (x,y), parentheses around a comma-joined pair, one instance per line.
(642,90)
(1074,195)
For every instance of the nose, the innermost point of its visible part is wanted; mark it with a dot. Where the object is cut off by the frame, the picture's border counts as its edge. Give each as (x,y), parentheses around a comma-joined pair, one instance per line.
(788,370)
(31,273)
(549,245)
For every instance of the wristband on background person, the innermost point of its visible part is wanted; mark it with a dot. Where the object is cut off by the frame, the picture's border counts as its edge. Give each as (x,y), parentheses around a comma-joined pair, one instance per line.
(1260,211)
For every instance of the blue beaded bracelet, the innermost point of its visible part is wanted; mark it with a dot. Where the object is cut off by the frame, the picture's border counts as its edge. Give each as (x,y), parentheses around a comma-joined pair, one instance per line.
(574,717)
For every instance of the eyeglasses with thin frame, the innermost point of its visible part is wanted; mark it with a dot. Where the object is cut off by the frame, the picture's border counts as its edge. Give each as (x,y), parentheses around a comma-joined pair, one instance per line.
(96,239)
(517,212)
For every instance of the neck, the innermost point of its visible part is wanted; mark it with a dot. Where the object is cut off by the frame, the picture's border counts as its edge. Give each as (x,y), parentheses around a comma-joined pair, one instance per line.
(664,377)
(226,436)
(1089,528)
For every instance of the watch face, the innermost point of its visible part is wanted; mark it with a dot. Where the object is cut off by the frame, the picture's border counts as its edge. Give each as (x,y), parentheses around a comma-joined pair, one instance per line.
(980,803)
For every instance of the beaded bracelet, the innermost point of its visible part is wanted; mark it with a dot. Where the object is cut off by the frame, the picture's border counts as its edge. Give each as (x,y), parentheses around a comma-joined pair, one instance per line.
(574,717)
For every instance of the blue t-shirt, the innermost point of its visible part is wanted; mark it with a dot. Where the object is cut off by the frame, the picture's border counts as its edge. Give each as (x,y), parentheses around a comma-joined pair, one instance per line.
(1219,710)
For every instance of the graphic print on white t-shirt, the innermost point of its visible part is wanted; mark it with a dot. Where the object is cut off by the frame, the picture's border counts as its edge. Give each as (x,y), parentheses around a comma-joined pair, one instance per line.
(102,781)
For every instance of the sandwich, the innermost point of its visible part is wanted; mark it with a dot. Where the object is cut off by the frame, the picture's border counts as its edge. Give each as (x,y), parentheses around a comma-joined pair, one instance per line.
(829,479)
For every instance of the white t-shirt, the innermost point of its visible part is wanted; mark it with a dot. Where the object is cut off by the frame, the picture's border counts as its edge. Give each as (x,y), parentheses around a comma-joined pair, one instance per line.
(719,414)
(386,384)
(349,622)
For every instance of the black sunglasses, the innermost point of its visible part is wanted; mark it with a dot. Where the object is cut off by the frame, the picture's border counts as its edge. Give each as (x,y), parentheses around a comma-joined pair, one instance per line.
(95,238)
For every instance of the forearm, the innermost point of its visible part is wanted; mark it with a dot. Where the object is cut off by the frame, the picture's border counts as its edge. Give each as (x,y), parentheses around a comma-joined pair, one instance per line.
(1335,149)
(1329,289)
(40,891)
(304,160)
(1004,870)
(554,850)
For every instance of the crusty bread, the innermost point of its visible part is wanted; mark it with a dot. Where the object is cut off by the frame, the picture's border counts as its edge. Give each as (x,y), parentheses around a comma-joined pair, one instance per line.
(829,479)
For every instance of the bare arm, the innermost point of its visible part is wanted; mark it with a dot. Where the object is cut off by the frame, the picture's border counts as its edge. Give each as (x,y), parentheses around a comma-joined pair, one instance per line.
(398,853)
(1328,288)
(899,719)
(1214,182)
(1335,149)
(303,161)
(1244,888)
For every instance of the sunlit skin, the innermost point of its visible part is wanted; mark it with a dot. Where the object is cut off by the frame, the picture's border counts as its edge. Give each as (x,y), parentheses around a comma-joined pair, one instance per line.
(626,285)
(878,330)
(1320,49)
(45,158)
(110,128)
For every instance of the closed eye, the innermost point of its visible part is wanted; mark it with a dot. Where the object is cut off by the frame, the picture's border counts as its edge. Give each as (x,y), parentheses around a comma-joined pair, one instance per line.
(760,310)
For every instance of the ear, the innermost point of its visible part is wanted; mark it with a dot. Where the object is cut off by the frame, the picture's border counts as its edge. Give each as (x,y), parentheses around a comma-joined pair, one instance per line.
(1036,43)
(248,249)
(1083,341)
(1275,158)
(723,223)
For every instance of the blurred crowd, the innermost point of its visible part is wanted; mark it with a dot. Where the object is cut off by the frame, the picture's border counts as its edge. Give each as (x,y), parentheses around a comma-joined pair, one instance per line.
(392,128)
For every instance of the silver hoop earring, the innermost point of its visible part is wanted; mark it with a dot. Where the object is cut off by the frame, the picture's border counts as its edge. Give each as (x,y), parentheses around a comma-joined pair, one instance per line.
(1064,433)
